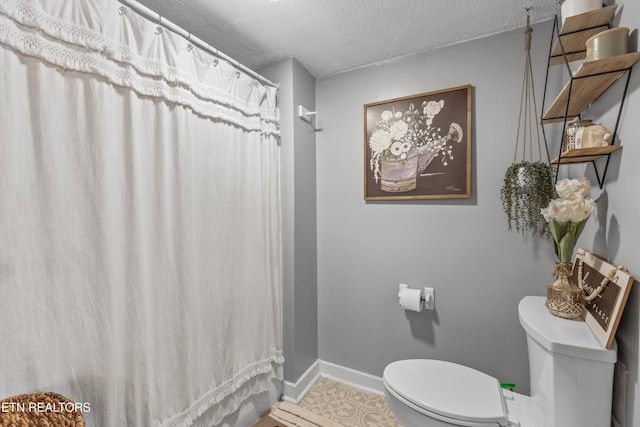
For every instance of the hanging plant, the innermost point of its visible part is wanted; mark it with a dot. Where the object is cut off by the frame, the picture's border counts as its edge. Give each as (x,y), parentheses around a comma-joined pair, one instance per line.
(528,188)
(528,185)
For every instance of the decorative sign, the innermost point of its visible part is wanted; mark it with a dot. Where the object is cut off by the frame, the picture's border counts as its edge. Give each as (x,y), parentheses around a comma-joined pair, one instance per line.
(606,289)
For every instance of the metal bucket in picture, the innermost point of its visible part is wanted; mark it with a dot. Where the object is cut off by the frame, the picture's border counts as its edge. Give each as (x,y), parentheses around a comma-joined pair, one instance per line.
(399,175)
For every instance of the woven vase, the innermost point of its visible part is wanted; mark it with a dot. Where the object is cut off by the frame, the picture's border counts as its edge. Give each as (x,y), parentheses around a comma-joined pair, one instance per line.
(564,297)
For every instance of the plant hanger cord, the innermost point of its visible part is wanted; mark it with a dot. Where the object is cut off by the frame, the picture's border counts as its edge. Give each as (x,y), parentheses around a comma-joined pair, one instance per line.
(527,118)
(528,185)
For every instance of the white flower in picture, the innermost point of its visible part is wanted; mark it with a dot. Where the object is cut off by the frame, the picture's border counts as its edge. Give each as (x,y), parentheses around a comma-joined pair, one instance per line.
(402,135)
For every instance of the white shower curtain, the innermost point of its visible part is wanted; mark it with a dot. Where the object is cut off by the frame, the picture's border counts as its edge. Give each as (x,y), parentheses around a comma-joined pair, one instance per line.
(139,219)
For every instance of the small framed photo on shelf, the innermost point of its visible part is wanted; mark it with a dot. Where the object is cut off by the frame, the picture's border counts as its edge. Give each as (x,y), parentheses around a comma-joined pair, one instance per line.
(606,289)
(419,146)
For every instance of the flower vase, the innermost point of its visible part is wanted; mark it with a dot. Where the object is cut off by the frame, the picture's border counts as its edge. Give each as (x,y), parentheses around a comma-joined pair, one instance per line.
(564,297)
(399,175)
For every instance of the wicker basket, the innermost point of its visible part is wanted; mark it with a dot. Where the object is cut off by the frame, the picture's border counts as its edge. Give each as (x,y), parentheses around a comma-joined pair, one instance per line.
(40,409)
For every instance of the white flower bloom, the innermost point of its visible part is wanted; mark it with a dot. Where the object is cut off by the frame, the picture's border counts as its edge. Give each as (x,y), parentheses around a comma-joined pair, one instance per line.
(398,129)
(386,115)
(582,210)
(379,141)
(433,108)
(396,148)
(560,210)
(546,214)
(572,205)
(400,135)
(573,188)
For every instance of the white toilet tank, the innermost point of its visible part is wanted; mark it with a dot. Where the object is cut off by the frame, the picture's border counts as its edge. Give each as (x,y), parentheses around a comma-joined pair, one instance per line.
(571,373)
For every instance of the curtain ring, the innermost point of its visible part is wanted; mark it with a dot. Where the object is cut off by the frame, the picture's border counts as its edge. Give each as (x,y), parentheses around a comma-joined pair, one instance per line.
(159,28)
(189,45)
(122,10)
(238,74)
(215,62)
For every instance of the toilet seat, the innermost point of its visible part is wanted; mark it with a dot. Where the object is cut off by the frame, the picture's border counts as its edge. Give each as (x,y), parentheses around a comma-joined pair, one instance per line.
(443,390)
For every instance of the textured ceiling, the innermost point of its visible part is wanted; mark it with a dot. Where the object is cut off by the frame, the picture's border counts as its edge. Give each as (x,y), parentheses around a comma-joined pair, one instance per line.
(332,36)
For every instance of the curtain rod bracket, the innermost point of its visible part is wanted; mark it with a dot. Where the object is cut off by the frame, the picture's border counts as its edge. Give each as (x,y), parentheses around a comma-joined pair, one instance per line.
(308,116)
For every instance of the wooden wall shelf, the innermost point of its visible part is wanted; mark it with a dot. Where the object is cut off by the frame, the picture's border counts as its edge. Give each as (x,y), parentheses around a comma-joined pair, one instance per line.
(583,155)
(575,32)
(589,81)
(586,84)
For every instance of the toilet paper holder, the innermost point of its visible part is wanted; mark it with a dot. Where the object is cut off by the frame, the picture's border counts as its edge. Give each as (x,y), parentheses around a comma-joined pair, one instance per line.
(427,296)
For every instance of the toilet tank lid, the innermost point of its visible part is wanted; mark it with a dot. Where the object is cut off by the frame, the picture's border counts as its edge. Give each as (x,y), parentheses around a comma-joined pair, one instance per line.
(568,337)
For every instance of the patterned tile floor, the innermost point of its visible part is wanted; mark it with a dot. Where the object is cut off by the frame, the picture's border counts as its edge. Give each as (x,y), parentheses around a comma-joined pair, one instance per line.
(347,405)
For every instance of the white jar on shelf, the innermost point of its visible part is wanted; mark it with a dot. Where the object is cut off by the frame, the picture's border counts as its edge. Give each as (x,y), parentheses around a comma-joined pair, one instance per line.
(585,134)
(576,7)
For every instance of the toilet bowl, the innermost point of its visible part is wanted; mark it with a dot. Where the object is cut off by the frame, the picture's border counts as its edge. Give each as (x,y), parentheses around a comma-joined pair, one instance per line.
(567,367)
(455,395)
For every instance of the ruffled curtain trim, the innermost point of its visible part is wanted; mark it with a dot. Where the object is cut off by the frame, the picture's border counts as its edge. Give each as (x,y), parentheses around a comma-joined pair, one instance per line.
(32,32)
(264,370)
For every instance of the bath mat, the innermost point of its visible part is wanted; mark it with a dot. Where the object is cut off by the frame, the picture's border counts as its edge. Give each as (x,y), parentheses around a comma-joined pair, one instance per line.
(284,414)
(348,405)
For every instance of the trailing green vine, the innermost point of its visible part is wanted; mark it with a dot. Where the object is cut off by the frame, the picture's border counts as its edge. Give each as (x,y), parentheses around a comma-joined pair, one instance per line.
(528,188)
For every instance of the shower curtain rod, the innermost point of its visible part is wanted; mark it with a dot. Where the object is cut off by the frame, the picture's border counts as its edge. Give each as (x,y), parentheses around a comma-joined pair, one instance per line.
(153,16)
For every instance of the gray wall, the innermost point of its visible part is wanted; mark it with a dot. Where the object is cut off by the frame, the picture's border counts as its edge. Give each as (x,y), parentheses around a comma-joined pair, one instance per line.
(461,247)
(298,169)
(614,232)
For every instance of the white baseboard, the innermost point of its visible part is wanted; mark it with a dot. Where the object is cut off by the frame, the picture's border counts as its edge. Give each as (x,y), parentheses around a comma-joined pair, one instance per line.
(294,393)
(348,376)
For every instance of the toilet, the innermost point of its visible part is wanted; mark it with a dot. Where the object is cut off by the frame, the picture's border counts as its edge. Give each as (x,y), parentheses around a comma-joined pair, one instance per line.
(571,376)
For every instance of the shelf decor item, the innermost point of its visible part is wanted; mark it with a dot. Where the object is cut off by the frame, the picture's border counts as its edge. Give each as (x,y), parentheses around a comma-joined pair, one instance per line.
(528,184)
(419,147)
(577,7)
(585,134)
(607,44)
(573,134)
(567,216)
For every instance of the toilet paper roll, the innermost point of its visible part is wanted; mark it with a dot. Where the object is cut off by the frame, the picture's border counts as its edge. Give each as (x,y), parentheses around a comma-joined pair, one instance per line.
(410,299)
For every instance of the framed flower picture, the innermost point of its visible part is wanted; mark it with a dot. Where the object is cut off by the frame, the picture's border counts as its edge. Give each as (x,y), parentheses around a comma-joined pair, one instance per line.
(419,147)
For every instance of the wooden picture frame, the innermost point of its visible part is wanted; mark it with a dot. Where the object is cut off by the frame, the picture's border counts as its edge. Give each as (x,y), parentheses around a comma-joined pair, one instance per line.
(419,146)
(602,314)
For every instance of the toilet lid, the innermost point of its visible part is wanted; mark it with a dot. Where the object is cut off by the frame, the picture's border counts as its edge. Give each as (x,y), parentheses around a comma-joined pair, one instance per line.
(447,389)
